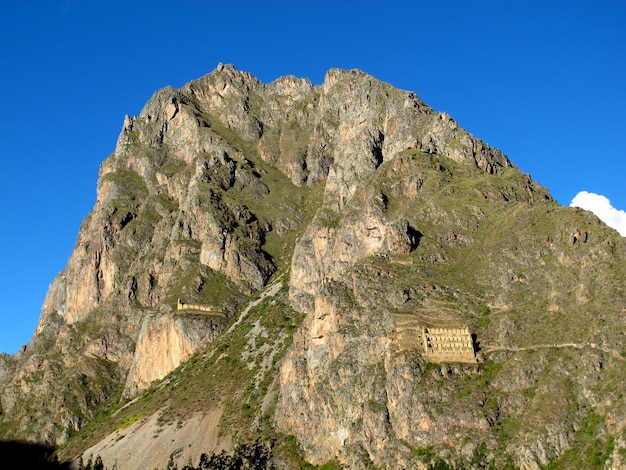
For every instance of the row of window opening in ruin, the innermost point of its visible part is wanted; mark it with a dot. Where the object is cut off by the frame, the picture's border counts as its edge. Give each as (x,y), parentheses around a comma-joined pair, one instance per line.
(440,343)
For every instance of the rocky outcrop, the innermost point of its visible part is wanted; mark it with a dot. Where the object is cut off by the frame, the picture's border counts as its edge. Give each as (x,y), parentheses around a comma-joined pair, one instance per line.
(163,344)
(398,202)
(384,217)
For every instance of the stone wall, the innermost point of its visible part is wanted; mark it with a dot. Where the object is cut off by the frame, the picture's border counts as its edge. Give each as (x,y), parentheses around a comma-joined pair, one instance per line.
(442,344)
(181,307)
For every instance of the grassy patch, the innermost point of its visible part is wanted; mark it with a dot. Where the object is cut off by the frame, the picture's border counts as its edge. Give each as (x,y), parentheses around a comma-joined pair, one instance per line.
(591,447)
(128,183)
(128,421)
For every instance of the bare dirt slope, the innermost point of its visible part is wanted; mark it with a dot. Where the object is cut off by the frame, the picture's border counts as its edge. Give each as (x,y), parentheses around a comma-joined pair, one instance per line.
(148,444)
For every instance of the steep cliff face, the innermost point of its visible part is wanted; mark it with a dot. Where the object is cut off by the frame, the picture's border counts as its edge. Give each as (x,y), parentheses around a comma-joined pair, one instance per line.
(383,217)
(489,251)
(181,213)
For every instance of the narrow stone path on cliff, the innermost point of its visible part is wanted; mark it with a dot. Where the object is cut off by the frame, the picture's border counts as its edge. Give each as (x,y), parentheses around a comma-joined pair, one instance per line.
(489,349)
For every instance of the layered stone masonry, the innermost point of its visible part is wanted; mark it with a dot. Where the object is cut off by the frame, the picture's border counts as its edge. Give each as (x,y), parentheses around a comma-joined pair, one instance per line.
(448,344)
(183,307)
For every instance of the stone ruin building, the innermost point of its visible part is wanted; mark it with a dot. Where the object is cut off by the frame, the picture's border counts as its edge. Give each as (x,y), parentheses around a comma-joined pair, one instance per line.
(183,307)
(443,344)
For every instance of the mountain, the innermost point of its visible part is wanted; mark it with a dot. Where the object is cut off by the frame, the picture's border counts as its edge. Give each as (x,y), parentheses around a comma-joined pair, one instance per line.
(329,275)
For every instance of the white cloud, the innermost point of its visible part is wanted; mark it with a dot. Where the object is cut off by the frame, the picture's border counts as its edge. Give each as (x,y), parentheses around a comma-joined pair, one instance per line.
(601,207)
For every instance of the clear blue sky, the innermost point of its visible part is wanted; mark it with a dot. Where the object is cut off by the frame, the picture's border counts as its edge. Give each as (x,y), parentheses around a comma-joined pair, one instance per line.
(544,81)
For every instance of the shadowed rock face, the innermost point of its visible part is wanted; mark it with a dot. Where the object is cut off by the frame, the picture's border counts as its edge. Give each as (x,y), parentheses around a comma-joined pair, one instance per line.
(17,454)
(384,217)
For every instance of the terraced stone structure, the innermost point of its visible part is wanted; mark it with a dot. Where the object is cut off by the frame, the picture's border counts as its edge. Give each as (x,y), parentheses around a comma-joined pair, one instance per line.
(448,344)
(183,307)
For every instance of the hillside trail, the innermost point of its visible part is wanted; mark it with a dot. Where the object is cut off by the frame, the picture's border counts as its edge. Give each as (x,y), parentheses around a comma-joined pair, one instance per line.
(487,349)
(270,291)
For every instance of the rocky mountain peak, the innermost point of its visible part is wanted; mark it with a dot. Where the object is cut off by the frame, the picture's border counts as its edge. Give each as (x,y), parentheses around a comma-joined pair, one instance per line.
(314,234)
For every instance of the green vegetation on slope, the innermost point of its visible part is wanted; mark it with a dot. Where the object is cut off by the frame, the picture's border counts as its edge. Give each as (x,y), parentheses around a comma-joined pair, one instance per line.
(234,372)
